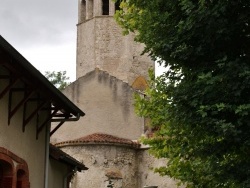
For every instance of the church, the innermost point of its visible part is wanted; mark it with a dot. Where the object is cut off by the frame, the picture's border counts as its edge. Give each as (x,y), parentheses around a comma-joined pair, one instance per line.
(110,70)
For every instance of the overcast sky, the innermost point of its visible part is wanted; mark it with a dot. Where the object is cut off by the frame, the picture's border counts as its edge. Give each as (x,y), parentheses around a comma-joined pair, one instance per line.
(43,31)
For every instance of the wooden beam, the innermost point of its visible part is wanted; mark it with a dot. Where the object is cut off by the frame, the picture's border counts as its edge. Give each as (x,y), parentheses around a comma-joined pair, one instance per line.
(57,127)
(24,115)
(8,87)
(21,89)
(5,76)
(9,104)
(21,103)
(26,121)
(39,129)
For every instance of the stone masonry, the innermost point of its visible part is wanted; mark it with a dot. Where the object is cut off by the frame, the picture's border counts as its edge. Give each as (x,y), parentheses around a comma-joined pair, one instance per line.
(110,71)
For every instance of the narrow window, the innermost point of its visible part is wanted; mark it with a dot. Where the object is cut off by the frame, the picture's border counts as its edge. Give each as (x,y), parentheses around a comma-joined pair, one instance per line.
(21,179)
(105,7)
(117,5)
(82,11)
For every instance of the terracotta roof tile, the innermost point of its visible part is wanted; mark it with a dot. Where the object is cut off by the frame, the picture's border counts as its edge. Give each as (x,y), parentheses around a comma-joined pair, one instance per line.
(100,138)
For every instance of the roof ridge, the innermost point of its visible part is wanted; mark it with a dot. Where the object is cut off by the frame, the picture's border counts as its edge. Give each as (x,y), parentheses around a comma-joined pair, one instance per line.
(96,69)
(100,138)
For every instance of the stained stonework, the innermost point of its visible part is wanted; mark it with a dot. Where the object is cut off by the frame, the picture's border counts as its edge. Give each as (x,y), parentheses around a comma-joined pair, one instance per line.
(103,158)
(111,158)
(101,44)
(109,106)
(110,70)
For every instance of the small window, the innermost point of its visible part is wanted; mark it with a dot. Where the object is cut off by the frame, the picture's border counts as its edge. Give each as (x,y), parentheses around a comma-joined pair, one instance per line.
(117,5)
(82,11)
(105,7)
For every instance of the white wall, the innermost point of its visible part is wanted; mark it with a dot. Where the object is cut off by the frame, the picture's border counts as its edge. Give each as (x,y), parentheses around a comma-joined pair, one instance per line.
(57,173)
(23,144)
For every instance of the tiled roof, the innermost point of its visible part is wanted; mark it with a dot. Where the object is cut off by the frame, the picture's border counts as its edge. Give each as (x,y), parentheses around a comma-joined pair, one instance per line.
(100,138)
(59,155)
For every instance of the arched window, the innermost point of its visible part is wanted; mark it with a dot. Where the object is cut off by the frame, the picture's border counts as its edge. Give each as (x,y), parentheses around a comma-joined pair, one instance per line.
(105,7)
(6,174)
(82,11)
(10,175)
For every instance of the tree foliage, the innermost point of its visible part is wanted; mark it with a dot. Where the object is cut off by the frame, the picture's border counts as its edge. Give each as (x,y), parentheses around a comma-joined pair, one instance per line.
(201,105)
(58,79)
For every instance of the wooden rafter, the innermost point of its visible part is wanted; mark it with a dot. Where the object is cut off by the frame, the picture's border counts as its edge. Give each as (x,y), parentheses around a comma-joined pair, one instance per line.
(5,77)
(9,86)
(36,89)
(57,127)
(19,105)
(40,128)
(26,121)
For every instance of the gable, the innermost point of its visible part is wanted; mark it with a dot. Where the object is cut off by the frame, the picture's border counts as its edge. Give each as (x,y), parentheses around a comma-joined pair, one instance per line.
(108,103)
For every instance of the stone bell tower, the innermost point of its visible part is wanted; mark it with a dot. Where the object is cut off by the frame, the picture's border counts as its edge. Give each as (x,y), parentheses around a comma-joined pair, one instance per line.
(100,43)
(109,70)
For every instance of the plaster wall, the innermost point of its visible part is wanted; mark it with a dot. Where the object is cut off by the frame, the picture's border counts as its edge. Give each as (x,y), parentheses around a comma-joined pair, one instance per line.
(146,173)
(134,165)
(102,159)
(23,144)
(57,173)
(101,44)
(108,104)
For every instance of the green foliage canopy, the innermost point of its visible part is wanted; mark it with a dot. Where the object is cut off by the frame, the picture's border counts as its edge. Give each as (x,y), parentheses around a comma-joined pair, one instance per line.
(201,105)
(58,79)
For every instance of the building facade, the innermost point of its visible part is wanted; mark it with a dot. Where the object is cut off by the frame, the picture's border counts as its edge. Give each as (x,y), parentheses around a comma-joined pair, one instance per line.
(101,44)
(28,104)
(110,71)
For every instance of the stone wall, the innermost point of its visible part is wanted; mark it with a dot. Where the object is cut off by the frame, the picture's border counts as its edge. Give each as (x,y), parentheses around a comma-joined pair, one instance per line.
(133,165)
(100,44)
(147,176)
(108,64)
(102,159)
(108,104)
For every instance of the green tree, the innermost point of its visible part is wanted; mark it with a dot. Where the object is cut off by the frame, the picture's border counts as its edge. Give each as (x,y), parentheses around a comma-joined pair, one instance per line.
(58,79)
(201,105)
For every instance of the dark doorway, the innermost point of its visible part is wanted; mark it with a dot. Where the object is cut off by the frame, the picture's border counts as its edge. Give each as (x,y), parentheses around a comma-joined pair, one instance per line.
(105,7)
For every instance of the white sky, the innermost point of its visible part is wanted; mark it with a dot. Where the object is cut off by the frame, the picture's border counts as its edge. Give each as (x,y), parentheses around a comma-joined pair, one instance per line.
(44,32)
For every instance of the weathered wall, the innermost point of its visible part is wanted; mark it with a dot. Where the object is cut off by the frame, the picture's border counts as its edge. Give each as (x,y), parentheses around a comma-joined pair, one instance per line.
(106,96)
(146,174)
(108,104)
(23,144)
(100,44)
(134,165)
(102,159)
